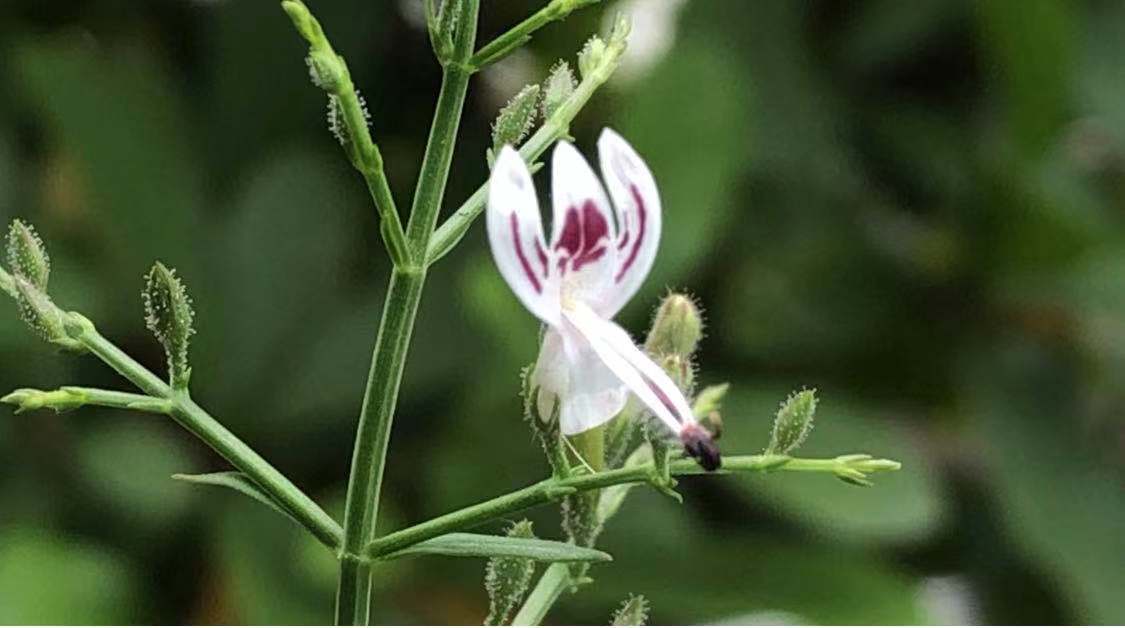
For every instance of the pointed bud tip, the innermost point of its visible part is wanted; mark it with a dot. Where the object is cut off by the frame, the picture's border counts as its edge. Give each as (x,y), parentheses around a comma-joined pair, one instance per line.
(558,87)
(170,317)
(633,612)
(27,257)
(516,118)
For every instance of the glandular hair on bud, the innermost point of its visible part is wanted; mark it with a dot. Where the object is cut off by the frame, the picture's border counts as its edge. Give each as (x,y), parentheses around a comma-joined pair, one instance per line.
(39,312)
(326,70)
(557,88)
(516,118)
(591,56)
(169,316)
(633,612)
(27,257)
(793,423)
(507,579)
(676,328)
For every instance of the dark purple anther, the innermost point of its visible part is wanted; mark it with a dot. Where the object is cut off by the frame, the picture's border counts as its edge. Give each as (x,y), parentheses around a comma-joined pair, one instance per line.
(699,444)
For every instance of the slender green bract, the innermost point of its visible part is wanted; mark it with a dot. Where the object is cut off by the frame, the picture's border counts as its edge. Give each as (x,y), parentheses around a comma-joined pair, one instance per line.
(491,546)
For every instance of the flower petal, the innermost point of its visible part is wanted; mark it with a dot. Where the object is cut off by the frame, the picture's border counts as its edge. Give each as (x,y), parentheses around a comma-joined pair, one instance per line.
(589,393)
(583,229)
(515,231)
(638,209)
(635,369)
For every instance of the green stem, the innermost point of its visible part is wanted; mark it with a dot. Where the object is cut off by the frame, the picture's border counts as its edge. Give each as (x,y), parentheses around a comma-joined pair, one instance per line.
(73,397)
(404,294)
(197,421)
(555,580)
(556,488)
(554,128)
(518,35)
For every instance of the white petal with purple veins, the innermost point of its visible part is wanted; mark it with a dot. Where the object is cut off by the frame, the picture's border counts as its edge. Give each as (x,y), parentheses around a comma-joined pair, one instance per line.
(637,203)
(515,232)
(636,370)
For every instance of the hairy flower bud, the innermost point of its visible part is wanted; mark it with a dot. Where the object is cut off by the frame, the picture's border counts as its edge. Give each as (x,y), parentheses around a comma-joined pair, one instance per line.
(557,88)
(793,423)
(709,400)
(169,316)
(507,579)
(516,118)
(27,256)
(591,56)
(677,327)
(633,612)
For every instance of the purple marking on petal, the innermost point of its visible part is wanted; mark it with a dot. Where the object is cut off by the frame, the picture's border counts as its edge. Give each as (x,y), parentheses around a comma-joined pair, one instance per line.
(594,226)
(662,396)
(514,221)
(542,255)
(581,236)
(642,215)
(570,238)
(588,257)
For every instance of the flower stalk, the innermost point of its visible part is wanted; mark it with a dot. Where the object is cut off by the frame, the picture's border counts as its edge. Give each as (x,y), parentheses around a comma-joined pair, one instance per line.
(556,488)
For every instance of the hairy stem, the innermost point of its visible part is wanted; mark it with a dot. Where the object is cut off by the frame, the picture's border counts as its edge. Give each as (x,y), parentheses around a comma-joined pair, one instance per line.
(556,488)
(197,421)
(389,358)
(554,581)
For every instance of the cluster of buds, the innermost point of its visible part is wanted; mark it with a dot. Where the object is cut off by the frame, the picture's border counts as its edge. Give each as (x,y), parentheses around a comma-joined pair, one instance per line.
(27,283)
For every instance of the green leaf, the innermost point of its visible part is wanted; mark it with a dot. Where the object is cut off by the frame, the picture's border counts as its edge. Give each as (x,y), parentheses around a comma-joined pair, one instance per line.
(235,480)
(487,545)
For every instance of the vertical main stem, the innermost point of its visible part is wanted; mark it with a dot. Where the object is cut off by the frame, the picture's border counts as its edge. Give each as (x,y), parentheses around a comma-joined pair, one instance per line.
(372,436)
(353,598)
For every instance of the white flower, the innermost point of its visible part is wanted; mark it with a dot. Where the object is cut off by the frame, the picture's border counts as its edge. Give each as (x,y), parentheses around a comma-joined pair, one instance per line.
(597,259)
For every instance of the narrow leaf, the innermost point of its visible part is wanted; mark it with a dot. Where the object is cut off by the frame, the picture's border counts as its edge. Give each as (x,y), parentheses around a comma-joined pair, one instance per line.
(238,481)
(487,545)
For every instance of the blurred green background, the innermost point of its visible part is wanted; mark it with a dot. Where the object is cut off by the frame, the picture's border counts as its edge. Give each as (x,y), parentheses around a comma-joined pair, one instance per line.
(915,207)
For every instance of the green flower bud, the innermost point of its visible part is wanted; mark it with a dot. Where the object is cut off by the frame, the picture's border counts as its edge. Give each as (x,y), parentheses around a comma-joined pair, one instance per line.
(304,22)
(507,579)
(710,399)
(713,423)
(680,369)
(28,399)
(516,118)
(169,316)
(557,88)
(540,410)
(27,256)
(633,612)
(8,285)
(591,56)
(677,327)
(326,69)
(41,314)
(793,423)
